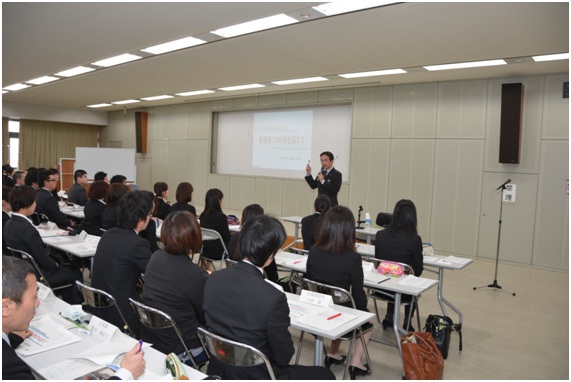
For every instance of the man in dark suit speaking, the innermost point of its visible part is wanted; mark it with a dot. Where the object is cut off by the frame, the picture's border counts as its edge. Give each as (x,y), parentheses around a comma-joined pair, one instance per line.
(328,181)
(254,312)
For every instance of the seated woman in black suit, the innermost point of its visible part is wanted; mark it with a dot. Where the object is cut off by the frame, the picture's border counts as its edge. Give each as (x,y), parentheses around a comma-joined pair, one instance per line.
(334,261)
(310,222)
(94,208)
(183,197)
(213,218)
(115,192)
(162,208)
(175,285)
(234,248)
(400,242)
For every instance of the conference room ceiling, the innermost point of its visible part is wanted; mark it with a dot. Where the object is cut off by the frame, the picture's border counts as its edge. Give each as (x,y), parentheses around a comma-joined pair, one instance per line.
(40,39)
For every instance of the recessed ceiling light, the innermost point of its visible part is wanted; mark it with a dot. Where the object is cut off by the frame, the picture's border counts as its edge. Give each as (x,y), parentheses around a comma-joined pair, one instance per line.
(240,87)
(125,102)
(373,73)
(299,80)
(42,80)
(100,105)
(551,57)
(255,25)
(463,65)
(75,71)
(16,87)
(154,98)
(338,7)
(121,59)
(174,45)
(197,92)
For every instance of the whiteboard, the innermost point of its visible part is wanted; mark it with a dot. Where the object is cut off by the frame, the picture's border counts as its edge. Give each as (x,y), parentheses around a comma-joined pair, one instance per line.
(111,161)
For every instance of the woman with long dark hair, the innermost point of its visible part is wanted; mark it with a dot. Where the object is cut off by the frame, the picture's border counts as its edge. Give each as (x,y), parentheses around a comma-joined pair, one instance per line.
(309,223)
(333,260)
(400,242)
(213,218)
(162,208)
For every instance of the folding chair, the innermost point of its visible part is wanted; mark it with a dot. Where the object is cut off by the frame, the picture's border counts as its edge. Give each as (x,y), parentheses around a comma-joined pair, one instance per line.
(212,235)
(157,319)
(233,353)
(342,297)
(99,299)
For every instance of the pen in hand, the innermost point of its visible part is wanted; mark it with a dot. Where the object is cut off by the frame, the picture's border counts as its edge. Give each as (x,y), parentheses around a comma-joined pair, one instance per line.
(140,346)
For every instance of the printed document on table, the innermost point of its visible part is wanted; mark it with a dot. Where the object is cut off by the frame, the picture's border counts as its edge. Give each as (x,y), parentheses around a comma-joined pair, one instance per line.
(299,262)
(56,239)
(48,332)
(299,309)
(413,281)
(79,247)
(105,352)
(326,319)
(453,260)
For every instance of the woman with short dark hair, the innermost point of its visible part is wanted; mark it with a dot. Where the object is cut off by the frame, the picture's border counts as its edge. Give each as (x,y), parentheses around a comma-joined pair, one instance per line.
(334,261)
(400,242)
(95,207)
(114,193)
(175,285)
(183,197)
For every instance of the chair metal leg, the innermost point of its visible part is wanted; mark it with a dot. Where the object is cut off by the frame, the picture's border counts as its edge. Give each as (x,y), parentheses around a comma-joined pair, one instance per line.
(366,349)
(349,355)
(300,344)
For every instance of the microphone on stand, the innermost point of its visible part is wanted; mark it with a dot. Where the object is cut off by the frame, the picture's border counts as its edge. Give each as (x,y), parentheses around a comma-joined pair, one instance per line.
(504,185)
(359,221)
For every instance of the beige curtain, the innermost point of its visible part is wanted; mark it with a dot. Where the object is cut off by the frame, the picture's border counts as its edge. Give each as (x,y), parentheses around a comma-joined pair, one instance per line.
(5,142)
(42,144)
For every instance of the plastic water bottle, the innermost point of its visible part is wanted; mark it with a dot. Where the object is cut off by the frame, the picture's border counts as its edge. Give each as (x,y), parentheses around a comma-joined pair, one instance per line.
(367,221)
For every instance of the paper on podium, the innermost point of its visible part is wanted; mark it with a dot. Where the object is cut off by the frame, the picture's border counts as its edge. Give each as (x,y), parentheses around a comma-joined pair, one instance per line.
(326,319)
(48,332)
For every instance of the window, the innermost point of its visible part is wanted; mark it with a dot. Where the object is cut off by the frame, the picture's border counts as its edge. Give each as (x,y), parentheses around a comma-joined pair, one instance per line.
(14,131)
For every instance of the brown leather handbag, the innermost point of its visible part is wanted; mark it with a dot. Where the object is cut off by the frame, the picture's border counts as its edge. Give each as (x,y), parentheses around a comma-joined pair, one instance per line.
(421,357)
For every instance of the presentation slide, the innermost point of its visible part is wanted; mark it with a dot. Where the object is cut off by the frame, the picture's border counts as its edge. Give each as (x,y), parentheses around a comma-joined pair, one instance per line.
(280,142)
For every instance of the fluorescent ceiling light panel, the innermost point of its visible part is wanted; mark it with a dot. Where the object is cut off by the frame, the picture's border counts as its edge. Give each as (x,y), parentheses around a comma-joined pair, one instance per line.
(100,105)
(241,87)
(42,80)
(338,7)
(4,91)
(75,71)
(299,81)
(464,65)
(16,87)
(255,25)
(125,102)
(121,59)
(373,73)
(551,57)
(197,92)
(182,43)
(154,98)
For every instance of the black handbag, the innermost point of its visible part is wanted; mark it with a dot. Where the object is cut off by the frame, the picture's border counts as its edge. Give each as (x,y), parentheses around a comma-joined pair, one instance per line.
(441,328)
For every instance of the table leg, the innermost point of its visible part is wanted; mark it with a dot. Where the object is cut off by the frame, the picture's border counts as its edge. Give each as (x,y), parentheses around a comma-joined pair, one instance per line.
(443,301)
(318,353)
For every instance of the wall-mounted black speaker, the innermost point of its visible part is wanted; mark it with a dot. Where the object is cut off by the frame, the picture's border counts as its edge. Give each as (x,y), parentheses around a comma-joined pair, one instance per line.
(510,122)
(141,118)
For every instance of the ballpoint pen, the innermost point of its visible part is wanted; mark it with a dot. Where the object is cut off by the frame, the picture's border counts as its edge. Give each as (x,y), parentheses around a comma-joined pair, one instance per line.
(334,316)
(140,346)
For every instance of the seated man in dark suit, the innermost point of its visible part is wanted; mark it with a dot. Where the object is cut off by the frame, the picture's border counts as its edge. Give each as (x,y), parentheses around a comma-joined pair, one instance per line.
(122,255)
(255,312)
(19,303)
(77,193)
(20,234)
(46,203)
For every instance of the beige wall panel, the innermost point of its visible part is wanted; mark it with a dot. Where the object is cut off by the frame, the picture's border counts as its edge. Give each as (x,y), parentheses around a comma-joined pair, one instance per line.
(369,185)
(160,166)
(556,109)
(456,196)
(530,131)
(123,129)
(517,218)
(197,169)
(372,112)
(297,198)
(245,103)
(178,165)
(551,239)
(269,194)
(273,100)
(199,121)
(222,182)
(241,192)
(411,177)
(414,111)
(344,95)
(300,98)
(221,104)
(144,168)
(462,109)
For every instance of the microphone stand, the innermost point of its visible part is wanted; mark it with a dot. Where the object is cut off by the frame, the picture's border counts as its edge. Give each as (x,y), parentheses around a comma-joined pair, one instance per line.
(495,283)
(359,221)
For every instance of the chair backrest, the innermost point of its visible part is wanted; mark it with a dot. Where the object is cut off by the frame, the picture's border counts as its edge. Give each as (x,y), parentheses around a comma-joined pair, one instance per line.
(392,268)
(232,352)
(212,235)
(230,263)
(30,260)
(99,299)
(384,219)
(157,319)
(339,295)
(301,251)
